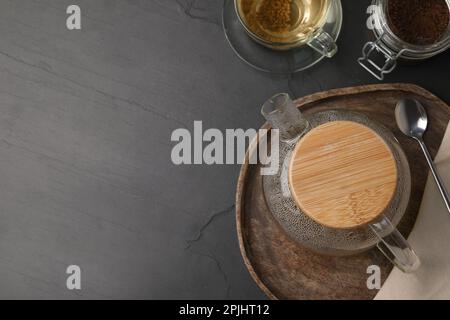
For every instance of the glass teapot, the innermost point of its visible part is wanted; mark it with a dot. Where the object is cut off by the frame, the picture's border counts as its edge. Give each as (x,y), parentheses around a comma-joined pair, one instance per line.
(300,200)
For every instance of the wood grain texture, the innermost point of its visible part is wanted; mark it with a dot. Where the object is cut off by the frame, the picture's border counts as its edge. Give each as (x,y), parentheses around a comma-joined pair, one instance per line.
(342,174)
(285,270)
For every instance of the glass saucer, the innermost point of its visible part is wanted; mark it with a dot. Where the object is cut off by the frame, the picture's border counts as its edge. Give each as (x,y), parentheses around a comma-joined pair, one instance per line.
(268,60)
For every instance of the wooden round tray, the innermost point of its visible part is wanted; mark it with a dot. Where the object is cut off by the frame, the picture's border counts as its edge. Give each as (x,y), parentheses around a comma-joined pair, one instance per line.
(285,270)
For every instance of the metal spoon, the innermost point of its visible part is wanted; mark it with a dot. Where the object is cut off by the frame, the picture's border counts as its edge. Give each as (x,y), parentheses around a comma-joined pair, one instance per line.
(412,120)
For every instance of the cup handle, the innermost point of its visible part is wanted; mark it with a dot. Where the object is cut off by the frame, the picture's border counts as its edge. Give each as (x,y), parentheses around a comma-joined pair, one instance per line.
(394,246)
(323,43)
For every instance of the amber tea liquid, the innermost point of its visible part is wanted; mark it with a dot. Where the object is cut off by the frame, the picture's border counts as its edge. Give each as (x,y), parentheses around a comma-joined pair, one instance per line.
(283,21)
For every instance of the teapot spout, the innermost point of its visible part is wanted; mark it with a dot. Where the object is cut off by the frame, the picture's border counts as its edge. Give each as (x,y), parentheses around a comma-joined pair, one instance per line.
(282,113)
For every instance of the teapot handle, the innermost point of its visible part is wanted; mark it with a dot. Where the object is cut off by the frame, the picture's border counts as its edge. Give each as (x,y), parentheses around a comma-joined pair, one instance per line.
(394,246)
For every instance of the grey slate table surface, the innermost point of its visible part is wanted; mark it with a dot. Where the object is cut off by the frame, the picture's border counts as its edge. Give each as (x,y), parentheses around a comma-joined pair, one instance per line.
(85,124)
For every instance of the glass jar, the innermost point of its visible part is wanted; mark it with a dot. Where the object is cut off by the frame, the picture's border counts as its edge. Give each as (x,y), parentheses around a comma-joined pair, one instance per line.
(390,48)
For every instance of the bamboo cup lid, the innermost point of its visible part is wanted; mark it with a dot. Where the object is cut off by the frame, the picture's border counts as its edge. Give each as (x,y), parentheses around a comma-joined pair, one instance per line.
(342,174)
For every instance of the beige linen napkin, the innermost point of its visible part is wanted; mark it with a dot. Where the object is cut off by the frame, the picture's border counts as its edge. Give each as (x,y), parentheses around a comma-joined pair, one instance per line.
(430,239)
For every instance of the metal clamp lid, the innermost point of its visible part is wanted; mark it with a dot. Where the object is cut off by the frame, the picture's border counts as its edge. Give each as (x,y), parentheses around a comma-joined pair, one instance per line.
(378,47)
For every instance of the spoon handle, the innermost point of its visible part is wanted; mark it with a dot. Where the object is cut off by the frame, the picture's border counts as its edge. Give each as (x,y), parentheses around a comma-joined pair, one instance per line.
(437,177)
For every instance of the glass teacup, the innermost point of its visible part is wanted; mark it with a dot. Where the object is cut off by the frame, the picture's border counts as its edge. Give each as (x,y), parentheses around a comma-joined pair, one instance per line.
(287,24)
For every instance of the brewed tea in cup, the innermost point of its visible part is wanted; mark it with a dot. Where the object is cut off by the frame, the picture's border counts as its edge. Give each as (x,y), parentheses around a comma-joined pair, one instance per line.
(286,24)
